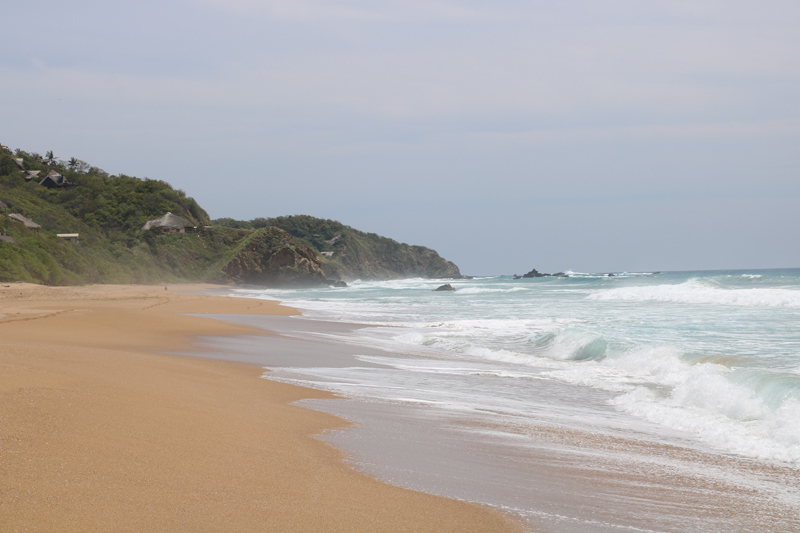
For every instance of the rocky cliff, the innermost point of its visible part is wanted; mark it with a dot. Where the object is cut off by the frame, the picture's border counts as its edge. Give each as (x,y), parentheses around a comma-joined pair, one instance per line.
(270,256)
(358,258)
(347,253)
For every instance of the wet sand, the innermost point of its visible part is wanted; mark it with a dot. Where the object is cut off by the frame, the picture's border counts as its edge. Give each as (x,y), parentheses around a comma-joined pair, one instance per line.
(102,430)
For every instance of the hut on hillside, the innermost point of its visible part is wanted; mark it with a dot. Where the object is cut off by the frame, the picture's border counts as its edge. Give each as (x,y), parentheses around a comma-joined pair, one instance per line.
(54,180)
(30,174)
(168,223)
(71,237)
(28,222)
(19,162)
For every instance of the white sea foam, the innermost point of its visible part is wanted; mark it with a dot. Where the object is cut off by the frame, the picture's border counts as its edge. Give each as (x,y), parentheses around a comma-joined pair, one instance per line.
(679,366)
(658,385)
(486,290)
(574,274)
(696,292)
(721,414)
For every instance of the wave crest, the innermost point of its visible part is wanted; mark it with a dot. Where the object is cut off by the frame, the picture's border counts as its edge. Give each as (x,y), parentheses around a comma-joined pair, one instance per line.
(696,292)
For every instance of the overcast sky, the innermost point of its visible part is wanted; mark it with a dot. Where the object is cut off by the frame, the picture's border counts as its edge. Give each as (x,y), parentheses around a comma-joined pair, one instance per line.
(587,135)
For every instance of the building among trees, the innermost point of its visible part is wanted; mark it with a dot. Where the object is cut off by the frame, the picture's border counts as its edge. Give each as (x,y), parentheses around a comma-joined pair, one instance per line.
(54,180)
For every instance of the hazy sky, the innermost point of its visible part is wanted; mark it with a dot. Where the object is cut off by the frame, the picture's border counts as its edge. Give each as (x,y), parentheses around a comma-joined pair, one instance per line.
(587,135)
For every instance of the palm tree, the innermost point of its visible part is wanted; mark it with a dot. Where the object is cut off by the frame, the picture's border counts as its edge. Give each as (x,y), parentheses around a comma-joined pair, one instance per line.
(50,157)
(73,163)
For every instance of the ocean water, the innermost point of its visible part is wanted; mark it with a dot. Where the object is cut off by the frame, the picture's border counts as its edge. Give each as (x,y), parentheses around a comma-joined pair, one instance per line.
(702,361)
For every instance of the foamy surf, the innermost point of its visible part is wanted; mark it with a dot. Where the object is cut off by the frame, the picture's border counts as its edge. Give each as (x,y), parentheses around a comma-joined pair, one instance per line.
(692,379)
(699,292)
(666,345)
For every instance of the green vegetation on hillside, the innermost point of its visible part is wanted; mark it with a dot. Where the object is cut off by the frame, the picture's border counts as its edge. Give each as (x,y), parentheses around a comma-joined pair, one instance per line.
(355,254)
(109,211)
(271,256)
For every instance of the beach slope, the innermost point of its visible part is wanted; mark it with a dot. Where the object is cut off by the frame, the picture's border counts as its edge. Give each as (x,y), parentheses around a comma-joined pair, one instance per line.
(102,430)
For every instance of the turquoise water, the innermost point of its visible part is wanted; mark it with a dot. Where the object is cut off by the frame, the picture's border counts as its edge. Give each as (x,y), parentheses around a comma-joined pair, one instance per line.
(713,355)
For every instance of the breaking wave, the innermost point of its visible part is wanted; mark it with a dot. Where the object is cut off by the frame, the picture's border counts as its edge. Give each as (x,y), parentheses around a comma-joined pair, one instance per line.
(696,291)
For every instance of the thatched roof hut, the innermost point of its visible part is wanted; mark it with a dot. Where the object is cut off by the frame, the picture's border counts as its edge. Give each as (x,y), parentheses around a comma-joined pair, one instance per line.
(30,174)
(28,222)
(19,162)
(54,180)
(168,223)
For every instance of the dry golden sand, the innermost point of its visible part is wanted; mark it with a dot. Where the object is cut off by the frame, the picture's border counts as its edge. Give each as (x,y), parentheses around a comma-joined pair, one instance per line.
(99,432)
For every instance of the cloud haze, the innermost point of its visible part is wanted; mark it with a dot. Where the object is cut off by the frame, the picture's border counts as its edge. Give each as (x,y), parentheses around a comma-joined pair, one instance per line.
(603,135)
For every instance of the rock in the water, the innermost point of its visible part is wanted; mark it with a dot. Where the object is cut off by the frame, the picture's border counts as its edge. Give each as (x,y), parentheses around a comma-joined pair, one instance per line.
(534,274)
(445,287)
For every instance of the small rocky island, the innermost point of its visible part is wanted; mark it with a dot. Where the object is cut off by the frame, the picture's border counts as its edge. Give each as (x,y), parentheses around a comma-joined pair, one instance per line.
(536,274)
(445,287)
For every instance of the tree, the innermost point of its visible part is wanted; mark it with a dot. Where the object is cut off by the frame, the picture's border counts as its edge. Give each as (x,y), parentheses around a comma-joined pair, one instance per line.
(73,163)
(50,157)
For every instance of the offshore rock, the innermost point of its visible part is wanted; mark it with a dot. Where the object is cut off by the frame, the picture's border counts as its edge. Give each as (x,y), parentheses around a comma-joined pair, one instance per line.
(272,257)
(445,287)
(534,274)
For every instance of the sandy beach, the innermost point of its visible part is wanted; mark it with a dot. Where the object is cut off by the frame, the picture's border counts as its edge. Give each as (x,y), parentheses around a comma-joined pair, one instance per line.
(102,430)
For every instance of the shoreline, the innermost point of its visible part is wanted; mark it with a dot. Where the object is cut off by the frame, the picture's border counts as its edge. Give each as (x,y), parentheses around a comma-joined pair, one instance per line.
(103,430)
(558,475)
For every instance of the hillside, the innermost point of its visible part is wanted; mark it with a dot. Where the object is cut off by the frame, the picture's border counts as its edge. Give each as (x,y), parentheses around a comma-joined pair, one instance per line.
(349,254)
(108,213)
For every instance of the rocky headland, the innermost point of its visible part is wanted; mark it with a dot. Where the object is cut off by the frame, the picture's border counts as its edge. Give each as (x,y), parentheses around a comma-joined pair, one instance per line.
(99,228)
(270,256)
(346,253)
